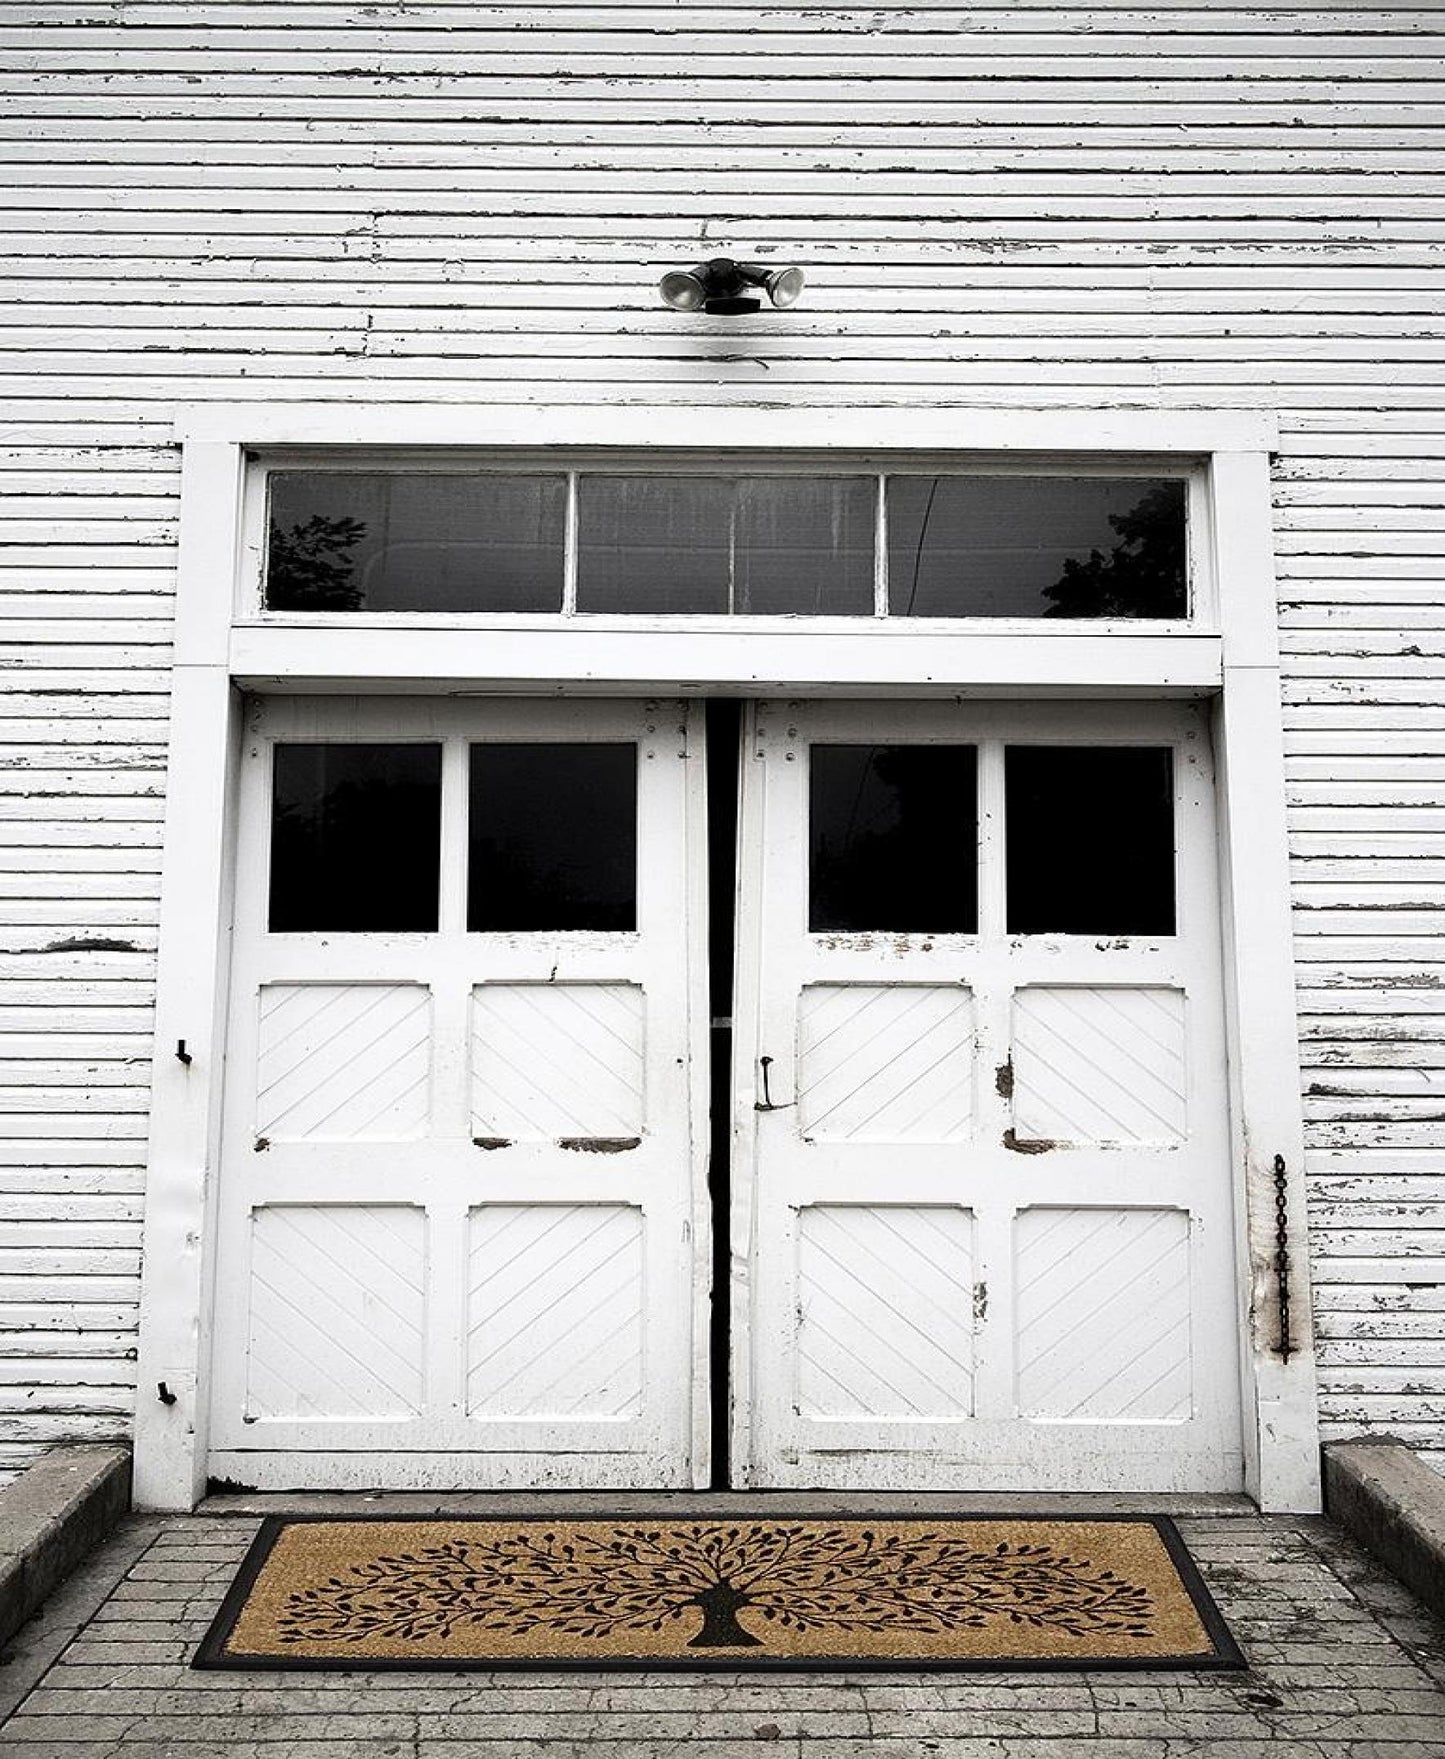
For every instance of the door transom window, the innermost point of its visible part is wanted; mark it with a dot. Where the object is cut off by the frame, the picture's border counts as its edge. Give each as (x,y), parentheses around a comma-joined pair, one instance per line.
(905,543)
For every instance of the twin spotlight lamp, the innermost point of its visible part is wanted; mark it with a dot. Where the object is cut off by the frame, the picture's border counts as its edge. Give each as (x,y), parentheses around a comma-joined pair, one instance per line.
(723,286)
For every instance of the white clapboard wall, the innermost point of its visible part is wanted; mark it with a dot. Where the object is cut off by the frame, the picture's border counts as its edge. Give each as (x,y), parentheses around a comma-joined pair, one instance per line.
(1163,205)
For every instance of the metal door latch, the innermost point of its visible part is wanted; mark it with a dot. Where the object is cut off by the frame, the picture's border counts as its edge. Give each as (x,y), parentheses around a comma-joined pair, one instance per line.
(765,1104)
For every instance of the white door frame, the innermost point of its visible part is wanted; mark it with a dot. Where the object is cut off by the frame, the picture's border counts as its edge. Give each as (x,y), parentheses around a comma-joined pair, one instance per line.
(223,648)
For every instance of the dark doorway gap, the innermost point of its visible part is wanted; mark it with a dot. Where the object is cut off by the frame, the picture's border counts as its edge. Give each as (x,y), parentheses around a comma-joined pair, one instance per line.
(724,748)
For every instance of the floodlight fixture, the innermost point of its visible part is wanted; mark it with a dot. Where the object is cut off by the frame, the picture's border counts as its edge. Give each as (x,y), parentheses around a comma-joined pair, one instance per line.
(722,287)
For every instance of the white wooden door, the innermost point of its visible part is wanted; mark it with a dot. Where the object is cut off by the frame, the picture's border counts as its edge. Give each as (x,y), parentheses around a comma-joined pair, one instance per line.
(982,1231)
(461,1198)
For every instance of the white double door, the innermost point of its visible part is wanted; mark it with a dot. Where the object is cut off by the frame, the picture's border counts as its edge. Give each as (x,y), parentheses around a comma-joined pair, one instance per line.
(979,1212)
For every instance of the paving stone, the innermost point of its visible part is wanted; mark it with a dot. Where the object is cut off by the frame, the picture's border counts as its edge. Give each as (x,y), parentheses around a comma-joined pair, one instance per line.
(1021,1719)
(637,1728)
(87,1649)
(979,1692)
(1178,1722)
(1381,1750)
(970,1746)
(590,1749)
(284,1747)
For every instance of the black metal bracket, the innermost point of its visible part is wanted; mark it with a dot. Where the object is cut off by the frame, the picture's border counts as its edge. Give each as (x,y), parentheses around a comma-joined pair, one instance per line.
(765,1104)
(182,1054)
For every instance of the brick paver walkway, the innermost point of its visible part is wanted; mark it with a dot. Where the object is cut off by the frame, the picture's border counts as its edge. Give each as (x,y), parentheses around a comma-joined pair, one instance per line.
(1345,1665)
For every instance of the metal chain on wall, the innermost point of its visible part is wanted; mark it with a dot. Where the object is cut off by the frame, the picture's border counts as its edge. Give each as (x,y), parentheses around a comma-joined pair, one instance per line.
(1281,1254)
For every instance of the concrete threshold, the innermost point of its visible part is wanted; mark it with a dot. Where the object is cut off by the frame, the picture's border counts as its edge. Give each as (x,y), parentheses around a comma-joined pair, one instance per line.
(719,1503)
(51,1517)
(1393,1504)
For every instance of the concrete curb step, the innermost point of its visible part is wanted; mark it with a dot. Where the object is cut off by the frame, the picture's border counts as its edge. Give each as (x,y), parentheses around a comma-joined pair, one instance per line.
(1393,1504)
(51,1517)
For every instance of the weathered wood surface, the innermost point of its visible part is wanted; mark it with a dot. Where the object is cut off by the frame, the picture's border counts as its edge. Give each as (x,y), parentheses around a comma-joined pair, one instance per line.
(1163,205)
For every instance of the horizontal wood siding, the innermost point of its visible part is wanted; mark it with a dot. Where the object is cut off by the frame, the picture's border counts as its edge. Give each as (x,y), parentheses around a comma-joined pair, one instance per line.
(1159,206)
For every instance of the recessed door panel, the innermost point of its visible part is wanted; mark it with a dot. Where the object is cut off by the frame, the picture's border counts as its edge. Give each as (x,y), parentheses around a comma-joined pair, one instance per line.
(559,1061)
(344,1061)
(880,1331)
(1103,1314)
(885,1062)
(1105,1064)
(555,1311)
(337,1312)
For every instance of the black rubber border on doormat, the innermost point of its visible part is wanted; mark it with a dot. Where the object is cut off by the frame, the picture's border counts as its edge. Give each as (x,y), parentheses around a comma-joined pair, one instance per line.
(211,1654)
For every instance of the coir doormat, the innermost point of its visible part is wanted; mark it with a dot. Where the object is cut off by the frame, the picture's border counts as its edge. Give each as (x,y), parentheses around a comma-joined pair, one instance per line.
(961,1592)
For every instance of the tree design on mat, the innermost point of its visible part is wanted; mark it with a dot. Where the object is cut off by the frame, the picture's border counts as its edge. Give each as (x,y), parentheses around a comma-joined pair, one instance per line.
(799,1577)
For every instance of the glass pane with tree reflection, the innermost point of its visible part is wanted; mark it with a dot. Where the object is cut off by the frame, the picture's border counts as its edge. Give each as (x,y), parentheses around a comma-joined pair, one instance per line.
(406,541)
(1023,546)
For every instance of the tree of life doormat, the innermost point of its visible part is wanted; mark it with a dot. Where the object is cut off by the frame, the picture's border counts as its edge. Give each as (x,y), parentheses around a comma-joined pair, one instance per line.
(958,1592)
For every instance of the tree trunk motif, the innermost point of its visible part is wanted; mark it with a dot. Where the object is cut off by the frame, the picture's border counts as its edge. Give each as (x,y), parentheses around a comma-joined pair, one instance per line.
(720,1627)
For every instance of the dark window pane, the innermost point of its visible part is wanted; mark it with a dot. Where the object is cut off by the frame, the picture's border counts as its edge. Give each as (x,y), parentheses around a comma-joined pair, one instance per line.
(1090,839)
(552,837)
(1036,546)
(759,546)
(355,837)
(893,839)
(363,541)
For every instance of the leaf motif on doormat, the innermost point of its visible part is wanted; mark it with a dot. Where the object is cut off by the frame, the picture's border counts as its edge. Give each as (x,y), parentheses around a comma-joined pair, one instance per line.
(803,1576)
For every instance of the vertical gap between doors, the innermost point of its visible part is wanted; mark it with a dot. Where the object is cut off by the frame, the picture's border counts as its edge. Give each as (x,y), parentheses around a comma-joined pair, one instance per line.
(724,740)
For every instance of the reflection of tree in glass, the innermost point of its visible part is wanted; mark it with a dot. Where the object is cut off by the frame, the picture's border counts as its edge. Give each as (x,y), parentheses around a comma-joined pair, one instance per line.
(1143,575)
(310,566)
(789,1576)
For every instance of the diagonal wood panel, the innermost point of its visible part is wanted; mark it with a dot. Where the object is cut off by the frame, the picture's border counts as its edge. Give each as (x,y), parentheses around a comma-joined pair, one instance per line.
(885,1326)
(554,1310)
(1103,1313)
(557,1059)
(347,1060)
(337,1311)
(885,1063)
(1102,1065)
